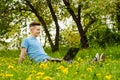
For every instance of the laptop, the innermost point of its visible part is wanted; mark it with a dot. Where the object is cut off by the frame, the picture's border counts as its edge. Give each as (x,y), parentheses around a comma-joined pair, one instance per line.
(71,53)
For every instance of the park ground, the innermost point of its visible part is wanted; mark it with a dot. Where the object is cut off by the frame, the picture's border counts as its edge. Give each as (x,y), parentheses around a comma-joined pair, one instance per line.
(80,69)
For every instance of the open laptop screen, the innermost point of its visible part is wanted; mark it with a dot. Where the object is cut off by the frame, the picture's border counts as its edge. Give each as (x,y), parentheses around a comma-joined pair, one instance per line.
(71,54)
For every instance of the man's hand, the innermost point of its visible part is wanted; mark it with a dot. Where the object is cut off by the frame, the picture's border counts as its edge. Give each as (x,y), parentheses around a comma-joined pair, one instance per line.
(22,55)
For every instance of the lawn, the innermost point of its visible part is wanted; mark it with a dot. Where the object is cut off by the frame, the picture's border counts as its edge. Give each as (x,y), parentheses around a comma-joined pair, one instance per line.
(80,69)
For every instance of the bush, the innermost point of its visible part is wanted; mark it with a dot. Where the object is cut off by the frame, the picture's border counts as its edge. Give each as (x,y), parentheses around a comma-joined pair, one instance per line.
(103,37)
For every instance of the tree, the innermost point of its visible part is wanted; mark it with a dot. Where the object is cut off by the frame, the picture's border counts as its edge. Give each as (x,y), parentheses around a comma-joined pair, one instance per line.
(13,15)
(87,15)
(55,46)
(77,19)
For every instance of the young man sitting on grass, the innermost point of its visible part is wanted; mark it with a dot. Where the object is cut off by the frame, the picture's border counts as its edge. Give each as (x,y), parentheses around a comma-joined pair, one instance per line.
(32,46)
(34,49)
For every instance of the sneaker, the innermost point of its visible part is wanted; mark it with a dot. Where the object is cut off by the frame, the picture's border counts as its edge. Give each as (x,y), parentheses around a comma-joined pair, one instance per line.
(96,58)
(102,57)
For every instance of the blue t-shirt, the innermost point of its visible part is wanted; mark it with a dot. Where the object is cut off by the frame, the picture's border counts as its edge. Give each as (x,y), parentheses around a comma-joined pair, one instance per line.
(34,48)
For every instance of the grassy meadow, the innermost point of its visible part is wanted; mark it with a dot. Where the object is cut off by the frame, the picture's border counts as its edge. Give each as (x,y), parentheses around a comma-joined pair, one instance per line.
(80,69)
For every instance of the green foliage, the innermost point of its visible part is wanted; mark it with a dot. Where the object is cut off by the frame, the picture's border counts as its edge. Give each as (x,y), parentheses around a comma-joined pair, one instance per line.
(12,19)
(94,14)
(103,37)
(70,37)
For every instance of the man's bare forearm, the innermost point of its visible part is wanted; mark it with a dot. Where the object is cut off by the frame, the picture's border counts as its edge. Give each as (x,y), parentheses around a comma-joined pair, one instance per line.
(20,60)
(22,55)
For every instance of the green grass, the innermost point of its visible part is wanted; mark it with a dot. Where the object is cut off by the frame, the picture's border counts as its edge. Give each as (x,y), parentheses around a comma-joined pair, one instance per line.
(80,69)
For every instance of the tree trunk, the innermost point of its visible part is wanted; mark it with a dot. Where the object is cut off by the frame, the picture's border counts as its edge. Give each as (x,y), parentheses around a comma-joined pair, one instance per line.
(77,20)
(45,41)
(56,47)
(43,23)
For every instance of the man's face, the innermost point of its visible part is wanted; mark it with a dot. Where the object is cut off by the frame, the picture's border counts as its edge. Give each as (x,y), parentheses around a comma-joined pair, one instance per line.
(35,30)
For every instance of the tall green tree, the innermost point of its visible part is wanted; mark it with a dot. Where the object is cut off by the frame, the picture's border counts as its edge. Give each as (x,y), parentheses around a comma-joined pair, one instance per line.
(87,15)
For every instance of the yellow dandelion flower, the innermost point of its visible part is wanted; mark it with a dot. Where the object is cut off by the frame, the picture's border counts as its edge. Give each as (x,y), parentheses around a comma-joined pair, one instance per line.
(33,71)
(9,75)
(60,67)
(40,73)
(1,75)
(10,67)
(77,65)
(65,70)
(29,77)
(43,65)
(79,58)
(89,69)
(108,77)
(47,78)
(38,77)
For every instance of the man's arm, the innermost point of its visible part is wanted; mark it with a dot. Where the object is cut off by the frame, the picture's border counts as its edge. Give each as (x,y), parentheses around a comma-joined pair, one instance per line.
(22,55)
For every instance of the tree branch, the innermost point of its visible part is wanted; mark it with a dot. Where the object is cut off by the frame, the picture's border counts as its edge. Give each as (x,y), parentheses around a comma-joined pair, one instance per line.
(42,21)
(56,23)
(79,11)
(92,20)
(67,4)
